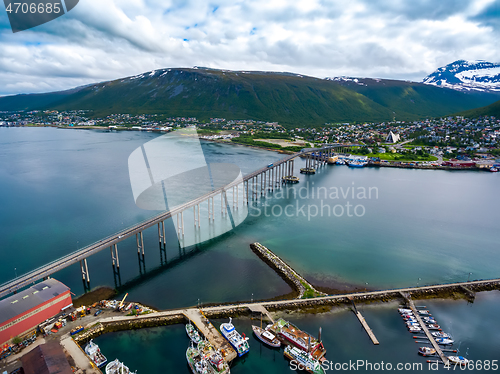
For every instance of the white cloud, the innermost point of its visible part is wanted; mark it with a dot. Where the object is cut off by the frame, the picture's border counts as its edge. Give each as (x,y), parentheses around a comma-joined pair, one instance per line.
(103,40)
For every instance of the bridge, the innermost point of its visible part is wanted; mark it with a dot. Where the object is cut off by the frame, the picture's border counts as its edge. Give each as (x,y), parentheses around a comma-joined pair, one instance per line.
(255,184)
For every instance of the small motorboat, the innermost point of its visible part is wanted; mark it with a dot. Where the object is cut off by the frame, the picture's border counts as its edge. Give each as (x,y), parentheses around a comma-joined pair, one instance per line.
(429,320)
(458,360)
(433,326)
(414,329)
(439,334)
(426,351)
(444,341)
(405,311)
(424,312)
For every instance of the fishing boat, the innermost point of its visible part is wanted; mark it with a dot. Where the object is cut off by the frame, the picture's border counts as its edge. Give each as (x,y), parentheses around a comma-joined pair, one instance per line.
(95,354)
(213,358)
(76,330)
(117,367)
(239,343)
(426,351)
(192,333)
(357,163)
(458,360)
(266,336)
(196,361)
(303,360)
(444,341)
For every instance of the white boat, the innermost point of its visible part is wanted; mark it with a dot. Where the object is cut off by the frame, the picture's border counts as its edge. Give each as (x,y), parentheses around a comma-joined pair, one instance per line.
(117,367)
(303,360)
(439,334)
(239,343)
(193,333)
(444,341)
(405,311)
(93,351)
(458,360)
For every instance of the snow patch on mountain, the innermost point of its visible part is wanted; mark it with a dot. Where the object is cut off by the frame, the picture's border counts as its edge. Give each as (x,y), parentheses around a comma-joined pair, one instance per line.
(464,75)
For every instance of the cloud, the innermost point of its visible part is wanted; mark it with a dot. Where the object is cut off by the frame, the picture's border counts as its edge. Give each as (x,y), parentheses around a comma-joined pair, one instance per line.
(105,40)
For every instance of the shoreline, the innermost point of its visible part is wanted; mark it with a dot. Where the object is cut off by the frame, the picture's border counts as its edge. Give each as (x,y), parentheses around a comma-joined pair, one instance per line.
(393,164)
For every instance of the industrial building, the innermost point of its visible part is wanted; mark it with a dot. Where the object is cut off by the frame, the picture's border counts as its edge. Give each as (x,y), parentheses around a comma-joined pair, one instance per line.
(24,311)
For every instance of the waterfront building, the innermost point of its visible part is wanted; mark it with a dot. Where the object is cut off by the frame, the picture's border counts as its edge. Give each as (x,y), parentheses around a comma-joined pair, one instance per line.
(24,311)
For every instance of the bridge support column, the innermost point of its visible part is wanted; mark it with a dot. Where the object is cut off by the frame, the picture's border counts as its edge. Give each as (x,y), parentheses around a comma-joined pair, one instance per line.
(140,243)
(85,270)
(247,188)
(114,255)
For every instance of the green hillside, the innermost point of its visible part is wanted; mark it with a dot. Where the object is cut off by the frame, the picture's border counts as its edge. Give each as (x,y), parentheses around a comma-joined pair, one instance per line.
(287,98)
(408,99)
(490,110)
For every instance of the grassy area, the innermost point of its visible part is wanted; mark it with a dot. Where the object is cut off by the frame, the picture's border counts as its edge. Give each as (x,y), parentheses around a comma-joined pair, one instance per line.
(402,157)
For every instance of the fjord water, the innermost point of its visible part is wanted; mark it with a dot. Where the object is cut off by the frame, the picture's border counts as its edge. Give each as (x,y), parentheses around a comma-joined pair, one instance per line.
(64,189)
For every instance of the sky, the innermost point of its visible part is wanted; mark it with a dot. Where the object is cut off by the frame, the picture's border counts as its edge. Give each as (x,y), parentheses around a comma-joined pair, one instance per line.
(102,40)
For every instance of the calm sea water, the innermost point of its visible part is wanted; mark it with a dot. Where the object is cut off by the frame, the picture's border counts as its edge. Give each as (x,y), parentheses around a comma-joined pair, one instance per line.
(64,189)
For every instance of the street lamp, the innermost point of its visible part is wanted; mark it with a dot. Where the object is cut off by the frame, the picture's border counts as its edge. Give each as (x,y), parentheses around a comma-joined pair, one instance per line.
(15,271)
(418,281)
(252,297)
(468,278)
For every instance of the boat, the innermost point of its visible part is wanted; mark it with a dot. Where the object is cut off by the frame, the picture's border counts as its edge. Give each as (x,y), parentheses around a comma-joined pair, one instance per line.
(303,360)
(213,358)
(444,341)
(239,343)
(429,320)
(192,333)
(266,336)
(117,367)
(494,170)
(426,351)
(433,327)
(458,360)
(308,170)
(405,311)
(357,163)
(424,312)
(414,329)
(95,354)
(439,334)
(196,361)
(76,330)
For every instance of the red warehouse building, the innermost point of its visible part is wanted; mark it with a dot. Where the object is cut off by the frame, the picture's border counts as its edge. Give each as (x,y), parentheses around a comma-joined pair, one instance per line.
(25,310)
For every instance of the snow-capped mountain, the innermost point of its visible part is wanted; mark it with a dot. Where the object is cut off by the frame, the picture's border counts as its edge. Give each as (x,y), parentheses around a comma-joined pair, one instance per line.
(464,75)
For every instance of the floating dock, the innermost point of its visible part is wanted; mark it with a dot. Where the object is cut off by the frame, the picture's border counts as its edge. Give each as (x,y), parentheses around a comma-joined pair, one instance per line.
(367,328)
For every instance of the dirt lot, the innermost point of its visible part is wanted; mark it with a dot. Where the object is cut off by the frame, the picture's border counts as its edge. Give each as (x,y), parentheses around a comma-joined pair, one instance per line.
(283,142)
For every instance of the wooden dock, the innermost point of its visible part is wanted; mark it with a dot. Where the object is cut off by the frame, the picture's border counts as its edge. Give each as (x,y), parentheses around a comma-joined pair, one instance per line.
(429,335)
(367,328)
(211,333)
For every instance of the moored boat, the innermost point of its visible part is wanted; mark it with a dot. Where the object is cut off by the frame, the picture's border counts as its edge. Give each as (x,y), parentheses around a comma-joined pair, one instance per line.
(426,351)
(439,334)
(196,361)
(444,341)
(494,170)
(95,354)
(213,358)
(266,336)
(303,360)
(239,343)
(433,327)
(192,333)
(117,367)
(458,360)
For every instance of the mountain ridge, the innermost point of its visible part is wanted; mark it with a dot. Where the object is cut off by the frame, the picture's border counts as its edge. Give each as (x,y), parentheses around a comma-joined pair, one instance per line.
(288,98)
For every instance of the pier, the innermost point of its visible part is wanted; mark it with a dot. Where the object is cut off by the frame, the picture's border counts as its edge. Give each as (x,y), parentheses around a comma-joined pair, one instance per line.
(211,333)
(427,333)
(364,323)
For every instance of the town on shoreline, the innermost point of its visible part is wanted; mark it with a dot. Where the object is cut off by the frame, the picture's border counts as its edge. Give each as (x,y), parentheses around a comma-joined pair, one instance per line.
(449,143)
